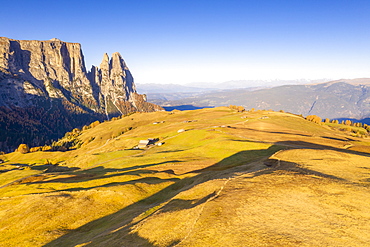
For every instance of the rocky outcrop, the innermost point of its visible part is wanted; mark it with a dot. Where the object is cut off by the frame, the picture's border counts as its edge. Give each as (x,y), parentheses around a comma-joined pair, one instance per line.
(50,78)
(117,94)
(55,69)
(32,70)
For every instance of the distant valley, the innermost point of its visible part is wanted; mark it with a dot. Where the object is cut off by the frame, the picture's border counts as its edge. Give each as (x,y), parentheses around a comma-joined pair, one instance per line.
(342,99)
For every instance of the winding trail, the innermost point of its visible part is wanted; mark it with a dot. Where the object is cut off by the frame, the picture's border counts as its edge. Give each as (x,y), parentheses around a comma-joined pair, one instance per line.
(99,147)
(202,209)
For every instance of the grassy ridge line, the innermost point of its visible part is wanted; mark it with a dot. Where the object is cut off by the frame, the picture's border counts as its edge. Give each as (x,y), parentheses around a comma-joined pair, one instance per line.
(239,136)
(134,155)
(103,162)
(131,191)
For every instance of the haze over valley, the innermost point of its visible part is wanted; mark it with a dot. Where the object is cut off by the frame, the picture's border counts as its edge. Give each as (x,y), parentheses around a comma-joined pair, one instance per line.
(341,99)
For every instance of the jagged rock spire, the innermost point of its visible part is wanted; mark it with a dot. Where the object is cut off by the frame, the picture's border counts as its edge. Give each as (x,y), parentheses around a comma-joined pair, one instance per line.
(56,69)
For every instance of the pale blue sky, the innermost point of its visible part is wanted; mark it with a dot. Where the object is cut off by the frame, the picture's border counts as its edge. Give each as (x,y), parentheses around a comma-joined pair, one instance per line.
(207,41)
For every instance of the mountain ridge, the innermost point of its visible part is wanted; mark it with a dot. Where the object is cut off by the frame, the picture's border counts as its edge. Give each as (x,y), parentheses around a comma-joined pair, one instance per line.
(335,99)
(50,78)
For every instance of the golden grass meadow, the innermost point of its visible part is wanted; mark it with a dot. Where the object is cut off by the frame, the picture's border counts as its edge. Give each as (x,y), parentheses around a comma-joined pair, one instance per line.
(228,178)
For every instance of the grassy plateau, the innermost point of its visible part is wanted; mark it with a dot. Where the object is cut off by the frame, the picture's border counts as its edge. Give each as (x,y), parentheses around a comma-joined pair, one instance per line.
(218,178)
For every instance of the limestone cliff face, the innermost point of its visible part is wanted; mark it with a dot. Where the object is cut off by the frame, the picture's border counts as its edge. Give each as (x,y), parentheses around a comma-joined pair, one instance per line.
(51,76)
(32,70)
(117,95)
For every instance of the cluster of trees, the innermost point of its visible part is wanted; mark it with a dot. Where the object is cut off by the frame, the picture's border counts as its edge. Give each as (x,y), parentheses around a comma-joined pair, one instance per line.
(92,125)
(36,126)
(347,124)
(41,148)
(70,140)
(238,108)
(314,118)
(23,149)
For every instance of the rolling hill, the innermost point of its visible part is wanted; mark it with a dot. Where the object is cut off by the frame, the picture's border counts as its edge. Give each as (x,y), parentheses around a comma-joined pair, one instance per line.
(211,177)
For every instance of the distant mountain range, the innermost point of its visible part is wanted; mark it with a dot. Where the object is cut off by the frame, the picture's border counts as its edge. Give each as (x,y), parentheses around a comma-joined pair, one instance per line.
(235,84)
(170,92)
(199,87)
(160,93)
(334,99)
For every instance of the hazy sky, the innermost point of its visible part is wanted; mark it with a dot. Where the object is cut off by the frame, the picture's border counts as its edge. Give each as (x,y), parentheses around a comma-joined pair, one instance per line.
(206,41)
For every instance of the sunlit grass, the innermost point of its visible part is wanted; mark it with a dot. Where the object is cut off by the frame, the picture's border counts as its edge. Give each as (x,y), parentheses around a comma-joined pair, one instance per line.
(170,185)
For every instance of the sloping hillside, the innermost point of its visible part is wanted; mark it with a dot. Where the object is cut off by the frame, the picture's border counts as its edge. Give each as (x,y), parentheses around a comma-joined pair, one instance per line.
(218,178)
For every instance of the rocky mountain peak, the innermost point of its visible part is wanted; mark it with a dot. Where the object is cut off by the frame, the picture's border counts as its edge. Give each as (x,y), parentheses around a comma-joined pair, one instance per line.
(104,65)
(47,74)
(55,39)
(117,63)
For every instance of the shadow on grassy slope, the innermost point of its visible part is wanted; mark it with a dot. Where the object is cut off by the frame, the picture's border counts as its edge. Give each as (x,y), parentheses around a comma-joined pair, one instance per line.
(272,132)
(101,172)
(294,134)
(297,169)
(338,139)
(116,228)
(309,145)
(146,180)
